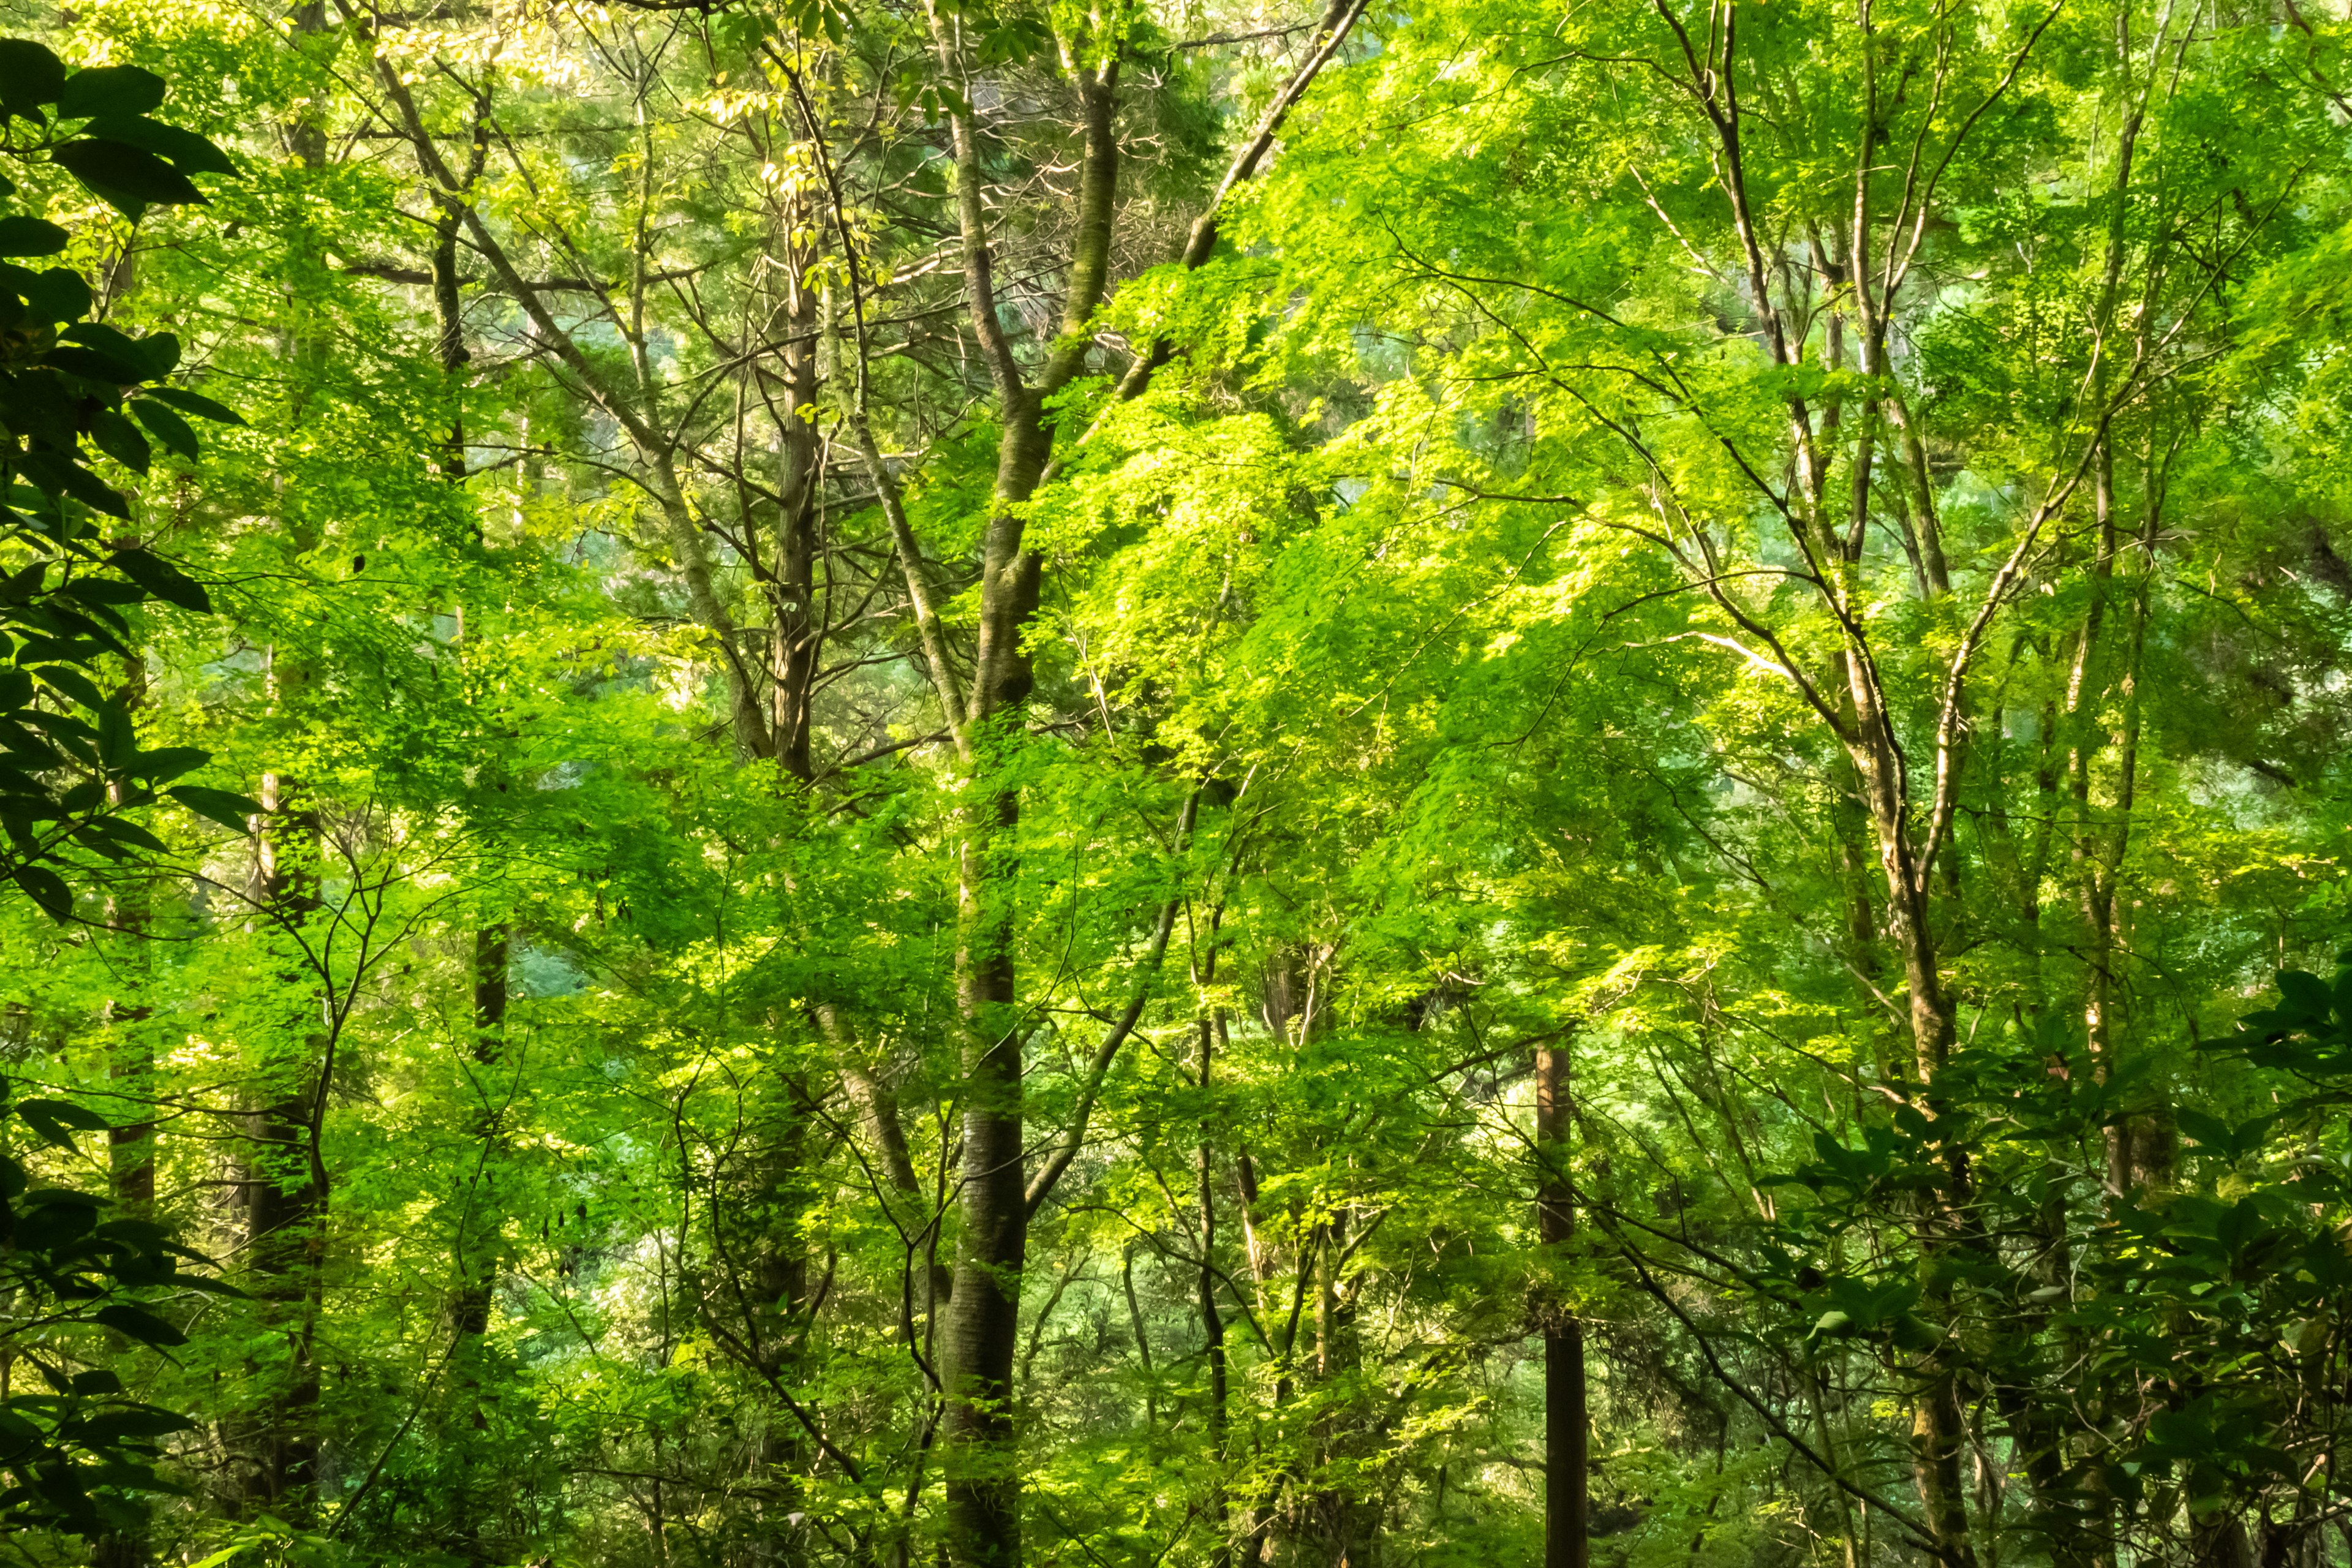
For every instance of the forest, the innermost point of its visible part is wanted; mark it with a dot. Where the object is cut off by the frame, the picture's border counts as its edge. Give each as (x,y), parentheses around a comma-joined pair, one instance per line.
(1175,784)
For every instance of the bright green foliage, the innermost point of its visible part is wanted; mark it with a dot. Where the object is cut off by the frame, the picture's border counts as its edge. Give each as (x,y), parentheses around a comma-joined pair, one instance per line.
(1777,570)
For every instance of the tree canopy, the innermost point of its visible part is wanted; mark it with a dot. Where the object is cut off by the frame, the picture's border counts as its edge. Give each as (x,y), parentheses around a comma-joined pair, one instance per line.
(1009,783)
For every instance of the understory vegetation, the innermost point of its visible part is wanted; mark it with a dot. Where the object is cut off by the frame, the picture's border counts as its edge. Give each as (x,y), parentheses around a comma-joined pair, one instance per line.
(976,782)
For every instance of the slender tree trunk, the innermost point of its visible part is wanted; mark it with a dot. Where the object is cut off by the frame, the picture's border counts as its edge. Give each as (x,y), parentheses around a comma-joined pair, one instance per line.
(284,1188)
(469,1309)
(1213,1319)
(981,1328)
(1939,1433)
(1566,1428)
(285,1196)
(1340,1517)
(130,1066)
(131,1071)
(477,1259)
(771,1293)
(798,633)
(982,1319)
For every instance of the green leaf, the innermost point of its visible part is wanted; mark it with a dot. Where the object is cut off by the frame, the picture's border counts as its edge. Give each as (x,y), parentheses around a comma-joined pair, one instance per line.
(129,178)
(96,364)
(227,1555)
(119,439)
(188,150)
(45,888)
(170,762)
(120,831)
(234,812)
(65,677)
(162,350)
(110,89)
(117,1421)
(166,427)
(117,738)
(151,356)
(2305,991)
(67,1114)
(21,236)
(161,578)
(137,1323)
(64,476)
(57,295)
(16,1434)
(29,75)
(197,404)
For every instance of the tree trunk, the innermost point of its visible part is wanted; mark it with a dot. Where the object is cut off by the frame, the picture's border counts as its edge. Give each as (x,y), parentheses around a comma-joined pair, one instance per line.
(769,1292)
(131,1070)
(1213,1318)
(284,1190)
(798,634)
(284,1187)
(981,1328)
(1567,1429)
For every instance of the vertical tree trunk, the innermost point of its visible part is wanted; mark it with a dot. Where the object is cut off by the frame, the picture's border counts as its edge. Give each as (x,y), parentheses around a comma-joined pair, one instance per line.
(770,1292)
(131,1070)
(798,628)
(1567,1441)
(981,1337)
(1213,1319)
(132,1064)
(470,1310)
(284,1190)
(284,1185)
(2085,687)
(477,1259)
(980,1344)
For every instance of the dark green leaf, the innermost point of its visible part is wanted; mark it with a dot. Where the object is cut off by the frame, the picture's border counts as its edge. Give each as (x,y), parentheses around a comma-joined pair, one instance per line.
(197,404)
(139,1324)
(73,683)
(63,476)
(57,295)
(117,738)
(119,439)
(110,833)
(186,149)
(29,75)
(70,1115)
(110,89)
(151,356)
(136,1420)
(166,427)
(161,578)
(231,811)
(128,177)
(16,1434)
(95,364)
(46,889)
(170,762)
(22,235)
